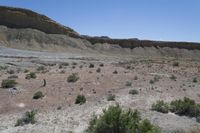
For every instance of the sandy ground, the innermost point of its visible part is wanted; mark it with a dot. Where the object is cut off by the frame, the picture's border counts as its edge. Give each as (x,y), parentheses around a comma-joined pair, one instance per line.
(95,86)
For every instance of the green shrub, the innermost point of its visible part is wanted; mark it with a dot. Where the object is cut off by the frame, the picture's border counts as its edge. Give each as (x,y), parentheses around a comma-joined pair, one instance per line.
(26,71)
(194,80)
(10,71)
(161,106)
(173,77)
(111,97)
(7,83)
(186,107)
(133,92)
(80,99)
(101,65)
(115,120)
(41,68)
(13,77)
(176,64)
(38,95)
(73,78)
(31,75)
(98,70)
(91,66)
(151,81)
(128,83)
(74,63)
(115,72)
(29,117)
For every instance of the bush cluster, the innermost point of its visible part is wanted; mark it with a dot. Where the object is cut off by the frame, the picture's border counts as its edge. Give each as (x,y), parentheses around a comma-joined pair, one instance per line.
(161,106)
(29,117)
(7,83)
(80,99)
(31,75)
(73,78)
(111,97)
(185,107)
(115,120)
(38,95)
(133,92)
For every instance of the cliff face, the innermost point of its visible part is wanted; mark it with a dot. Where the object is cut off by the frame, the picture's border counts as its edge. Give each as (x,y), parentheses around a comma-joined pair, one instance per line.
(18,18)
(23,18)
(133,43)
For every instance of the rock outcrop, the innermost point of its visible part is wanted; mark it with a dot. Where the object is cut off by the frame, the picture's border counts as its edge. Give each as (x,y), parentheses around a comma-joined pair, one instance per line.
(23,18)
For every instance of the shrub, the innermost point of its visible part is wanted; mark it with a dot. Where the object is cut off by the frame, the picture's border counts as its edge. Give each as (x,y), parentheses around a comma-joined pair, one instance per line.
(173,77)
(80,99)
(38,95)
(7,83)
(161,106)
(41,68)
(115,120)
(74,63)
(151,81)
(31,75)
(65,64)
(128,83)
(98,70)
(73,78)
(115,72)
(176,64)
(26,71)
(194,80)
(29,117)
(91,66)
(101,65)
(13,77)
(186,107)
(133,92)
(10,71)
(111,97)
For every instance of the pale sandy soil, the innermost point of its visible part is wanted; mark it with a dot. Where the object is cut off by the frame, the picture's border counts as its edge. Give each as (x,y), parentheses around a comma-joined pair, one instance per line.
(74,118)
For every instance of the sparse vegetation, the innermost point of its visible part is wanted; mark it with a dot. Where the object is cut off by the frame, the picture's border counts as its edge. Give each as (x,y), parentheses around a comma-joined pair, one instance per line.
(111,97)
(26,71)
(91,66)
(185,107)
(128,83)
(80,99)
(173,77)
(13,77)
(98,70)
(38,95)
(115,72)
(11,71)
(31,75)
(176,64)
(7,83)
(41,69)
(161,106)
(73,78)
(74,63)
(194,80)
(133,92)
(115,120)
(101,65)
(28,118)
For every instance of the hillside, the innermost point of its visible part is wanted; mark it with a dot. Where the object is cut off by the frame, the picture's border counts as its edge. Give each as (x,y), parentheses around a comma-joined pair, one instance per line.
(19,18)
(23,18)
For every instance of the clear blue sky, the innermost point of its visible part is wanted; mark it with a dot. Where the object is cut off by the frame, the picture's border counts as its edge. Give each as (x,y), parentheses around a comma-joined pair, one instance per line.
(174,20)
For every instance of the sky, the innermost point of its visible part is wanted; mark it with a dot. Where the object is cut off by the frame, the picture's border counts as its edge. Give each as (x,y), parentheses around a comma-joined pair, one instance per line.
(167,20)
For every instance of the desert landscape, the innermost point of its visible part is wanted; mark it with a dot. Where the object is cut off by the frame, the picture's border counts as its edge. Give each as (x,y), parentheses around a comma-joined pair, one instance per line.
(46,71)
